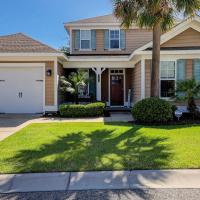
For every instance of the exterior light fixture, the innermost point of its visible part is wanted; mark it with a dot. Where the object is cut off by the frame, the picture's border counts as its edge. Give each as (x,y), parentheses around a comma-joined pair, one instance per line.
(49,72)
(178,114)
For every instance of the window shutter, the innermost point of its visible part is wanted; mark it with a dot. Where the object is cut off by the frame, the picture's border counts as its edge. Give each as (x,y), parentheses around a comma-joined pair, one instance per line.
(77,40)
(106,39)
(196,70)
(93,39)
(181,68)
(122,39)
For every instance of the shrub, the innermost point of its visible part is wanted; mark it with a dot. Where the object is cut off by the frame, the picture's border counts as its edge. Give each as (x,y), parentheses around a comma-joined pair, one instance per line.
(89,110)
(152,110)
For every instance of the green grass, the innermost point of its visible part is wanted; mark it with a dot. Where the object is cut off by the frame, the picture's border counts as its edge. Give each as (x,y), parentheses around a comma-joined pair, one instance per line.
(97,146)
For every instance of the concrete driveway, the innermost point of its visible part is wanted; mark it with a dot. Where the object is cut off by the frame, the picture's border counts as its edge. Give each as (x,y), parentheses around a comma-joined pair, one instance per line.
(10,123)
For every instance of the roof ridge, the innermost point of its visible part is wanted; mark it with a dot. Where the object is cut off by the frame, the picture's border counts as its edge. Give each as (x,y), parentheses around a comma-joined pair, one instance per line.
(38,41)
(22,42)
(74,21)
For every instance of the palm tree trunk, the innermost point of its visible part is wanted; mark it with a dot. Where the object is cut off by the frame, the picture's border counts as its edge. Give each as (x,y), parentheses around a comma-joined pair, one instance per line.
(155,89)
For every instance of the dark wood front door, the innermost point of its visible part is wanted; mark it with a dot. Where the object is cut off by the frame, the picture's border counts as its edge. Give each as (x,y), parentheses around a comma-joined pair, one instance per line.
(116,90)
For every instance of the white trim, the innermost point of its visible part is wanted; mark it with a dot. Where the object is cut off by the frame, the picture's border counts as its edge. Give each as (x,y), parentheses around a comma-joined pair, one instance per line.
(44,86)
(51,108)
(98,71)
(160,79)
(124,86)
(71,42)
(142,79)
(22,64)
(89,49)
(99,58)
(56,82)
(114,49)
(34,55)
(95,25)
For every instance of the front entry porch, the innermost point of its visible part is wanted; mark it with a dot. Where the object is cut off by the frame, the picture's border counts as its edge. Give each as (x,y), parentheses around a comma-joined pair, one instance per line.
(114,86)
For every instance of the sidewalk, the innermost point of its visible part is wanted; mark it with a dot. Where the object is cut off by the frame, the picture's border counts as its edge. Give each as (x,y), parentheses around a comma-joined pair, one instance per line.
(143,179)
(10,124)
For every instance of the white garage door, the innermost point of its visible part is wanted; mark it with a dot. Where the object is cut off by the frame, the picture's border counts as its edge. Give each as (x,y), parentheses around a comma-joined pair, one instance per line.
(21,89)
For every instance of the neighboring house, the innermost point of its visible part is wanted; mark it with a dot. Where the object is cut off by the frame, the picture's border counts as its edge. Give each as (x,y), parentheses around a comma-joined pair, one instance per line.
(118,63)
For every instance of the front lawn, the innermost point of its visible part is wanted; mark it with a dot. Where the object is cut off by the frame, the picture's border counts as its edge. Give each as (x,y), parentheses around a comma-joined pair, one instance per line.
(97,146)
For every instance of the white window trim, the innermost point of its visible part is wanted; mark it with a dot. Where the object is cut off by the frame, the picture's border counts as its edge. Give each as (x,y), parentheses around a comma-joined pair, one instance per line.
(160,79)
(115,49)
(82,49)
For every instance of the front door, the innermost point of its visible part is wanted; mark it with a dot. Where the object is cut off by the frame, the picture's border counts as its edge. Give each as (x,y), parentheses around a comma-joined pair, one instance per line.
(117,90)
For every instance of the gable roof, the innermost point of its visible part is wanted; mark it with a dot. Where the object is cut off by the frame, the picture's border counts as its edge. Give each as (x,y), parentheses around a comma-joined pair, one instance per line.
(21,43)
(176,30)
(105,19)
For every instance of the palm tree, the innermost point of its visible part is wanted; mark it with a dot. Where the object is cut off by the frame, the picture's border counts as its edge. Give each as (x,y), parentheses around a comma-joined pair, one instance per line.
(188,90)
(157,15)
(73,82)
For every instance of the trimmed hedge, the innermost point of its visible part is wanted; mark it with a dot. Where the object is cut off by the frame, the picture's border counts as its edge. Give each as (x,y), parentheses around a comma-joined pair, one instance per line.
(89,110)
(152,110)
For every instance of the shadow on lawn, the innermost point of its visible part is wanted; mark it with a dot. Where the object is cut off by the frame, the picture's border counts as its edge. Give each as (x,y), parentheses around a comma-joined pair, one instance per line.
(101,150)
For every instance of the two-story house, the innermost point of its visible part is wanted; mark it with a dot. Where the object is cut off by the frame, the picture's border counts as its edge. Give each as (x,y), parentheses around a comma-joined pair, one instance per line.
(120,60)
(118,63)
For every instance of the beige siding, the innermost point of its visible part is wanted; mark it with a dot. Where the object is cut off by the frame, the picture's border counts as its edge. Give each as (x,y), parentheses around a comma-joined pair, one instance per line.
(147,78)
(188,38)
(137,83)
(49,85)
(128,81)
(134,39)
(189,69)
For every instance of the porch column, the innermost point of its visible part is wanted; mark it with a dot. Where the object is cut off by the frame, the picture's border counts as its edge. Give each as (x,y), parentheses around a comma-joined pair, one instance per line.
(142,79)
(98,71)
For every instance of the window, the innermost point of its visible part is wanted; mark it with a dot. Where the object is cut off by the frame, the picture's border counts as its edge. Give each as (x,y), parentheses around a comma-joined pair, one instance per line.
(114,39)
(83,91)
(167,79)
(85,39)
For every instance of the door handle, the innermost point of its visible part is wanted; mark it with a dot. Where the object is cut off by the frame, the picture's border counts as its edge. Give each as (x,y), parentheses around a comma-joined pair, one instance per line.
(20,94)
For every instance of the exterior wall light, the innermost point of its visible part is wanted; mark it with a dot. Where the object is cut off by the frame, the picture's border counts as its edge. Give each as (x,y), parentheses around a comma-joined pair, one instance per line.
(49,72)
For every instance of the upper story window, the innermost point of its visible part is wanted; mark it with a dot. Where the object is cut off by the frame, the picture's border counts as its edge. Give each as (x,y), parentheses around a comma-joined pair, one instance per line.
(114,39)
(85,39)
(167,78)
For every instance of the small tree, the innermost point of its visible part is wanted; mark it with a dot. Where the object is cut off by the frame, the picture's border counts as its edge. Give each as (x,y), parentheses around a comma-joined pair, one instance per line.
(188,90)
(73,82)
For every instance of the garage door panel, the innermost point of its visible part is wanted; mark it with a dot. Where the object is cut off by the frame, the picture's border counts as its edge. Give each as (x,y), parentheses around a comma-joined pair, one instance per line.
(21,91)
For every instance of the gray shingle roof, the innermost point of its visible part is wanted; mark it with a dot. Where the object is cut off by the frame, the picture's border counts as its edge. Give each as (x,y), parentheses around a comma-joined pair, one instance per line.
(20,43)
(100,19)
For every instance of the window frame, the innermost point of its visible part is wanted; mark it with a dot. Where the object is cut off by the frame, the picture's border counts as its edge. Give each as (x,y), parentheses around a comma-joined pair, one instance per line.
(110,39)
(167,79)
(90,40)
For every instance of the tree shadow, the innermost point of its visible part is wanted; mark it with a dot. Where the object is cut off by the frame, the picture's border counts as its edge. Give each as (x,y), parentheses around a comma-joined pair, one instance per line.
(103,149)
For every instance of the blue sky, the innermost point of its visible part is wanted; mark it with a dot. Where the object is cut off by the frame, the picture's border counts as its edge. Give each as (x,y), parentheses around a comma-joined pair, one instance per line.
(43,19)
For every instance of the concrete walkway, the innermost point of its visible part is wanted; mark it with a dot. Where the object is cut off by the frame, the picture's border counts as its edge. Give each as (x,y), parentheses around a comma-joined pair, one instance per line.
(9,124)
(139,179)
